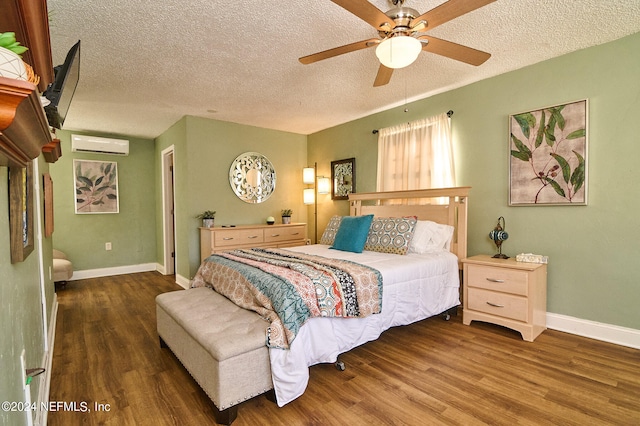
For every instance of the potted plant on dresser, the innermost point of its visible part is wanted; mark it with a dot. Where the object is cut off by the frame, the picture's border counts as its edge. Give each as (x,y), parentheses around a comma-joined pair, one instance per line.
(207,217)
(286,216)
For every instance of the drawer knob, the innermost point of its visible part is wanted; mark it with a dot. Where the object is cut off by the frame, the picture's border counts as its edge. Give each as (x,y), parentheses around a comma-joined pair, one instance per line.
(252,236)
(275,235)
(227,238)
(495,305)
(495,280)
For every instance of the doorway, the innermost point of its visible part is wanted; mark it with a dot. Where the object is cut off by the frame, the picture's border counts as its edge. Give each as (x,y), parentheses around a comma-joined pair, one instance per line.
(168,211)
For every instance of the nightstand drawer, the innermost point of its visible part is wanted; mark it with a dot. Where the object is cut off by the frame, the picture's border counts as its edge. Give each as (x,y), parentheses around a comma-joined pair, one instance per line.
(499,304)
(284,234)
(498,279)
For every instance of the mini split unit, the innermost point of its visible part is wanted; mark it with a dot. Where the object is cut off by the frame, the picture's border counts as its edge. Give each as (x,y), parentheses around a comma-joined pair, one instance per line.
(95,144)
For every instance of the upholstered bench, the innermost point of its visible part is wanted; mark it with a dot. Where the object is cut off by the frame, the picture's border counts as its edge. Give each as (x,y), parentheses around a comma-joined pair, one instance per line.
(220,344)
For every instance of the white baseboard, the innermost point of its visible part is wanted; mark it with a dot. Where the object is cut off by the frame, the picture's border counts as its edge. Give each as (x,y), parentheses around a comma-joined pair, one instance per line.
(118,270)
(184,282)
(47,362)
(594,330)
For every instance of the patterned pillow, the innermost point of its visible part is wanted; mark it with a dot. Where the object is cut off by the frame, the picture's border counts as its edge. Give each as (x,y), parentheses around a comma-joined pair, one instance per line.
(329,234)
(391,234)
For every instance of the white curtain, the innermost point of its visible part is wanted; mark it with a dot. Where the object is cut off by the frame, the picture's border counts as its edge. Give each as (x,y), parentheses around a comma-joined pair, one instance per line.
(416,155)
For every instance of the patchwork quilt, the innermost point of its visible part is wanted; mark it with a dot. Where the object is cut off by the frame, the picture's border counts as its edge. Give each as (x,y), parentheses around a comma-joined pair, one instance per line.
(287,288)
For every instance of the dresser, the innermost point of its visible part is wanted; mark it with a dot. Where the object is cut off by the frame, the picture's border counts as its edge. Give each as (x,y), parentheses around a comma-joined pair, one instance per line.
(505,292)
(217,239)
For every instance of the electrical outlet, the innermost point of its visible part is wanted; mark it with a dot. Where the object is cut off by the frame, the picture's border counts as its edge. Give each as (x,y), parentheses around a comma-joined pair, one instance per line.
(107,246)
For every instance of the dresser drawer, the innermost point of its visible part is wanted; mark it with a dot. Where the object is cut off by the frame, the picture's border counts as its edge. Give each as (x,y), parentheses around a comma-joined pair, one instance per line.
(226,238)
(236,237)
(284,234)
(499,304)
(498,279)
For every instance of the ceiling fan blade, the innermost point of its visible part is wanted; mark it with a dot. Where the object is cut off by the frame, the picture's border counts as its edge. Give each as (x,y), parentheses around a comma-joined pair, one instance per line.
(309,59)
(383,77)
(454,51)
(448,11)
(366,11)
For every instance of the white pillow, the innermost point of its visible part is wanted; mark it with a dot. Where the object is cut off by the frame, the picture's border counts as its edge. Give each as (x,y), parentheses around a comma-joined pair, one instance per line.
(430,236)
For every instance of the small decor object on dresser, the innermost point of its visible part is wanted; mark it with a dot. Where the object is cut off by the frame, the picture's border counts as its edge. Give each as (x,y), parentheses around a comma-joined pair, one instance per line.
(271,220)
(286,216)
(208,218)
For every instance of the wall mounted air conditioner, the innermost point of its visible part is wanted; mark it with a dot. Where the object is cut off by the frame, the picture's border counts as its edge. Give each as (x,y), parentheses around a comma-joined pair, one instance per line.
(95,144)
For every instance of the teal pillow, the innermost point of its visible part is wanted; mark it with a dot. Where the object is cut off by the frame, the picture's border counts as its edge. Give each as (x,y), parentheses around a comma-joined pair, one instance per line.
(352,233)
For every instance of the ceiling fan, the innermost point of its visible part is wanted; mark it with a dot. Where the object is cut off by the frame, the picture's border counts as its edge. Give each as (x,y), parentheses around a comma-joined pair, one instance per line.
(402,36)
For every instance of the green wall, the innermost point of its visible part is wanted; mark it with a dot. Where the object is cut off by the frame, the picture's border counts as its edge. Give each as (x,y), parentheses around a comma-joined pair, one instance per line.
(204,150)
(131,231)
(591,248)
(21,296)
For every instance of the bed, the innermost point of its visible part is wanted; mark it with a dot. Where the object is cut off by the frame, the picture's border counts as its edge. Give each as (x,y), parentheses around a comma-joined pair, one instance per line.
(420,283)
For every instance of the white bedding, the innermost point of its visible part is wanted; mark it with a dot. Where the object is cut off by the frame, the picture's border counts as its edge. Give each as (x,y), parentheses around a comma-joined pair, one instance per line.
(415,287)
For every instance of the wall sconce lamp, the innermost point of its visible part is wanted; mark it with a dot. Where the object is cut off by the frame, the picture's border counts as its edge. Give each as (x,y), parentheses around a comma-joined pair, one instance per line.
(498,235)
(321,185)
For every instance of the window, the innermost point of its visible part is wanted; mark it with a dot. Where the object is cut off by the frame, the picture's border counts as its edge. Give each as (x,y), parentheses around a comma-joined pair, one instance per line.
(416,155)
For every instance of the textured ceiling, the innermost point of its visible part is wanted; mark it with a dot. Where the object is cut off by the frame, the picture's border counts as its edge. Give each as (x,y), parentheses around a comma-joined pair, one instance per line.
(147,63)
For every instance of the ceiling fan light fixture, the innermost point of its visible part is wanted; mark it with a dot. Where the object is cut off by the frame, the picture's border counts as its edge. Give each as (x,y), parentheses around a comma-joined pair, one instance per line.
(399,51)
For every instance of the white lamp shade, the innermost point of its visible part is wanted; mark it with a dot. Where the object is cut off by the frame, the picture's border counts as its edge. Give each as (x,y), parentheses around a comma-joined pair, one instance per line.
(324,185)
(308,197)
(308,175)
(399,51)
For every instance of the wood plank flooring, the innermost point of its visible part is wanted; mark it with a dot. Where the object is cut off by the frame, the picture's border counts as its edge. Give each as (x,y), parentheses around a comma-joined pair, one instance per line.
(430,373)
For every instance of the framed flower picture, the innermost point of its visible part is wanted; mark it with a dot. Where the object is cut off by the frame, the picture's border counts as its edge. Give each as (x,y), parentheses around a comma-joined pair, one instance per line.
(96,186)
(548,156)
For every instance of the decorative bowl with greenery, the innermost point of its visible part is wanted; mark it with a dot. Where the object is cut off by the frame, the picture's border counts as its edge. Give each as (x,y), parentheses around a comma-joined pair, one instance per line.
(286,215)
(207,217)
(11,64)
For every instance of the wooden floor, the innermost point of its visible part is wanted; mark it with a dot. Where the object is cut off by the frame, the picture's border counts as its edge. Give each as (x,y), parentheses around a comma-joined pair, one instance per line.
(430,373)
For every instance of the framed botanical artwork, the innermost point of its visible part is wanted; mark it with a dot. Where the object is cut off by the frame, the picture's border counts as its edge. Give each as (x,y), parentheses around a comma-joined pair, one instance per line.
(343,178)
(21,212)
(548,156)
(96,186)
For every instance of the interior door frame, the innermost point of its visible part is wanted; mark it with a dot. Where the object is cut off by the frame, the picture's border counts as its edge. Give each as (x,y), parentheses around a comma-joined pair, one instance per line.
(168,211)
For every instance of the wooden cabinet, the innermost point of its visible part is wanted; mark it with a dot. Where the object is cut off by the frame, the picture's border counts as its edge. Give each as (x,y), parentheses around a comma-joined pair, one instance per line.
(505,292)
(217,239)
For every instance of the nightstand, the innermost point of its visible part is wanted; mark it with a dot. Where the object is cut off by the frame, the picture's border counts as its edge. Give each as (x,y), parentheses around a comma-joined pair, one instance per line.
(505,292)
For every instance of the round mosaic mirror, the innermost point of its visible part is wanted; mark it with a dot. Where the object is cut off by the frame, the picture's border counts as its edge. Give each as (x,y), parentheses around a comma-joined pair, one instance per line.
(252,177)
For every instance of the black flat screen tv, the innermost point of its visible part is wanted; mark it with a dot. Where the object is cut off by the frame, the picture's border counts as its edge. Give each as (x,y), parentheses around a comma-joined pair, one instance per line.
(60,92)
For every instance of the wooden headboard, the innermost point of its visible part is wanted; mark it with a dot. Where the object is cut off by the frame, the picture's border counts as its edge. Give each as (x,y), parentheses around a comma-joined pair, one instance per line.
(447,206)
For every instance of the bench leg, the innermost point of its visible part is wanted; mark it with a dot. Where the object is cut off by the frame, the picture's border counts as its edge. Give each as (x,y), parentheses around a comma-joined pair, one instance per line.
(163,344)
(271,396)
(225,417)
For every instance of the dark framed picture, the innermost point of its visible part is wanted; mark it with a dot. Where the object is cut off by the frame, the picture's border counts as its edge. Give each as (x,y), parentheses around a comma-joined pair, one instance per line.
(343,178)
(21,212)
(548,156)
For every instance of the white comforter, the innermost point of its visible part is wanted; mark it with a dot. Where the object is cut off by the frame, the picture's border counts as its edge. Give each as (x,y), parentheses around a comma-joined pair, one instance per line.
(415,287)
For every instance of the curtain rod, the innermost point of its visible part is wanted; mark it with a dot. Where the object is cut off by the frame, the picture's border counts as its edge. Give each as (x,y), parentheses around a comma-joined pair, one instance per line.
(449,114)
